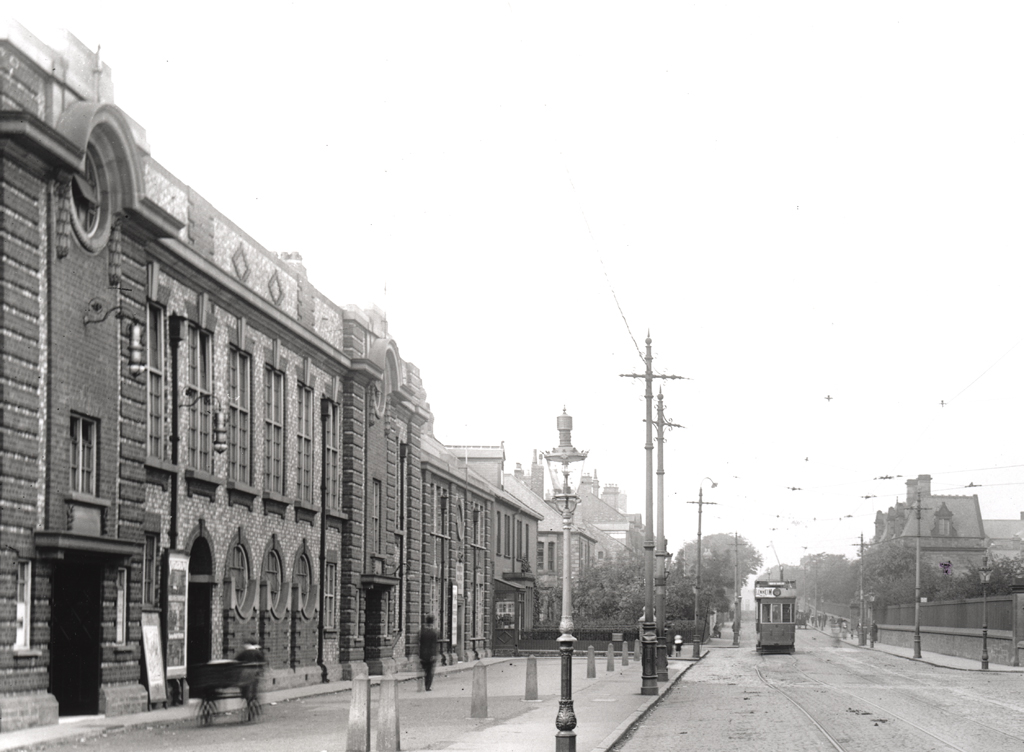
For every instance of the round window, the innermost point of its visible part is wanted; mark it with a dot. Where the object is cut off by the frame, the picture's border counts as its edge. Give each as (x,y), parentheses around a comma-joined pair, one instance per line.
(90,194)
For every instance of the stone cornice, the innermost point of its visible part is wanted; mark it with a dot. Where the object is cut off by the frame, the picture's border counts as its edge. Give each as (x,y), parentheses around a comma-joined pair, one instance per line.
(203,275)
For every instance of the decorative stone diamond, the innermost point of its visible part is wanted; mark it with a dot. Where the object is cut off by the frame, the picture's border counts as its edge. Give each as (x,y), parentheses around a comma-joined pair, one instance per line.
(276,291)
(240,263)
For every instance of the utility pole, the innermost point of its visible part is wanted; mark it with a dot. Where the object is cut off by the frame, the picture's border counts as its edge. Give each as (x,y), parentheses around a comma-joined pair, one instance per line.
(661,553)
(696,593)
(917,580)
(736,592)
(649,673)
(862,638)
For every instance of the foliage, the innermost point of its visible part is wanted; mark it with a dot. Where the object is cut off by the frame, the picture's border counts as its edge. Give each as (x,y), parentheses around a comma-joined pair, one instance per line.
(610,592)
(968,584)
(718,569)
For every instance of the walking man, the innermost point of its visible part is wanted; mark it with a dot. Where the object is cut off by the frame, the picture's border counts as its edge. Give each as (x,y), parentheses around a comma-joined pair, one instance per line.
(428,650)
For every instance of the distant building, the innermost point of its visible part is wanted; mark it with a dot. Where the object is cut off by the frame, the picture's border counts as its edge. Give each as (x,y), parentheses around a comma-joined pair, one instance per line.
(1004,538)
(951,527)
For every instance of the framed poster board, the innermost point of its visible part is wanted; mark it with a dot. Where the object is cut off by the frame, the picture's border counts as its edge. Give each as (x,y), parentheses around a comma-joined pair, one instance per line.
(176,609)
(152,651)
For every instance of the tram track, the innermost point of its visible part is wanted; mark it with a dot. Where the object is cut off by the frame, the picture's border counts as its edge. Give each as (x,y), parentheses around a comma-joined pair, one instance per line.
(882,709)
(796,703)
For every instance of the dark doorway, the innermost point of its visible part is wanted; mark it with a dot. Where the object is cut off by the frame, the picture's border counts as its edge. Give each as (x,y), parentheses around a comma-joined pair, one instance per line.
(75,638)
(200,591)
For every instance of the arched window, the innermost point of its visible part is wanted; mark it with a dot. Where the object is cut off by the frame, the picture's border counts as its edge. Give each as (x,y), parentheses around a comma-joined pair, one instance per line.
(272,576)
(239,569)
(302,579)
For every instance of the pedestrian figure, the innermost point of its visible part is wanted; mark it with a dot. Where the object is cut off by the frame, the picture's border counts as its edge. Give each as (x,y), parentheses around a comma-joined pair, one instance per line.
(428,651)
(679,645)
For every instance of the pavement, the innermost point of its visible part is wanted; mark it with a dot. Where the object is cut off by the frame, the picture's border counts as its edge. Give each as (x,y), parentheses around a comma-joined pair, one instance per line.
(934,659)
(606,706)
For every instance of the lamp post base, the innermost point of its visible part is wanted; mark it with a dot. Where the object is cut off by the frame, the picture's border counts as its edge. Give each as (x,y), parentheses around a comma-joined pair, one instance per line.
(565,721)
(696,647)
(661,659)
(649,672)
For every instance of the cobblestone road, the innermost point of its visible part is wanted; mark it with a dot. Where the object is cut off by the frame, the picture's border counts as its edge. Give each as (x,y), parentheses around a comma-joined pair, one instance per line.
(827,698)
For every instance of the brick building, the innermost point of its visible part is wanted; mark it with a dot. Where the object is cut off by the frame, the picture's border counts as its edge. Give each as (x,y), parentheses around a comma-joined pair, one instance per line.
(197,448)
(951,527)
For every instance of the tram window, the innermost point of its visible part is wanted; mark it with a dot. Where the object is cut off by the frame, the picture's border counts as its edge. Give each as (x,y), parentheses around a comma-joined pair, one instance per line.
(776,613)
(766,613)
(787,612)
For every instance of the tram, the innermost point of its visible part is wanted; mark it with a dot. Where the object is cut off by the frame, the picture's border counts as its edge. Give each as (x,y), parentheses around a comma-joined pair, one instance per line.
(776,616)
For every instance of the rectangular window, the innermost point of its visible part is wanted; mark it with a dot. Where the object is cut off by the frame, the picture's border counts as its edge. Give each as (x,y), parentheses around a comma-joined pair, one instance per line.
(443,514)
(540,556)
(121,607)
(377,518)
(200,386)
(273,431)
(476,526)
(551,556)
(155,385)
(305,445)
(519,539)
(83,455)
(497,533)
(239,416)
(332,446)
(330,587)
(149,571)
(508,536)
(766,613)
(787,613)
(526,543)
(23,609)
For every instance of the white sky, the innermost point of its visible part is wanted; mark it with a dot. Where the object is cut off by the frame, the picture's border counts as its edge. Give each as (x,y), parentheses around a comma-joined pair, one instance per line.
(797,201)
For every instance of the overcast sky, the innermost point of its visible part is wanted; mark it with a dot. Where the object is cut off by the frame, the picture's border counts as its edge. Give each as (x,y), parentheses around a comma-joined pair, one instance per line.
(797,202)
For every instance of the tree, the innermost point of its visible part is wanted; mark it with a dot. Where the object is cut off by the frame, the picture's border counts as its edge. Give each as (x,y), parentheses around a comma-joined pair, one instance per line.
(610,592)
(717,574)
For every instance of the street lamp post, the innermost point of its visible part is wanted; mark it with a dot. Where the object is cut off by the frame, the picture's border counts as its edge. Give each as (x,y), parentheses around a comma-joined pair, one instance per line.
(560,462)
(696,592)
(861,637)
(871,618)
(986,576)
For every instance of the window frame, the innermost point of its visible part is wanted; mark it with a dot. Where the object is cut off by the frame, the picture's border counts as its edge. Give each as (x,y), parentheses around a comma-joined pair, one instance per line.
(330,589)
(84,479)
(200,412)
(273,430)
(240,464)
(239,571)
(23,607)
(273,576)
(121,606)
(332,454)
(149,560)
(304,446)
(156,430)
(377,518)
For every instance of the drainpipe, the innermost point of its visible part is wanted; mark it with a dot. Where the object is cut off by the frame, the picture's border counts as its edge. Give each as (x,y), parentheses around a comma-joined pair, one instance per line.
(177,329)
(325,415)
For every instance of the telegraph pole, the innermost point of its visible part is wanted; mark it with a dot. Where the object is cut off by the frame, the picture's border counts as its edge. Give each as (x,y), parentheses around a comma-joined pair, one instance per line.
(661,553)
(917,580)
(736,593)
(696,597)
(649,673)
(862,638)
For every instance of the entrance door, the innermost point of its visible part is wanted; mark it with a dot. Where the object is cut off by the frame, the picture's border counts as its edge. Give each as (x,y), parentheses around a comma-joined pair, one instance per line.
(200,591)
(75,638)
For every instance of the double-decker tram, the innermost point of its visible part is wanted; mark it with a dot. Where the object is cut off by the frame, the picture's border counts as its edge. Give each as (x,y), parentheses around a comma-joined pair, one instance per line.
(776,616)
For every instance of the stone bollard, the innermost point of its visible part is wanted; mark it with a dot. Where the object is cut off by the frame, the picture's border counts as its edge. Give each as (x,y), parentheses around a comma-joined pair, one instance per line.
(531,679)
(636,650)
(479,707)
(388,730)
(625,652)
(359,716)
(611,657)
(591,666)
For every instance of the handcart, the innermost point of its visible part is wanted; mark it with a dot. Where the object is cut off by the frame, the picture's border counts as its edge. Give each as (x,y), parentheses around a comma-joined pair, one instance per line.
(219,680)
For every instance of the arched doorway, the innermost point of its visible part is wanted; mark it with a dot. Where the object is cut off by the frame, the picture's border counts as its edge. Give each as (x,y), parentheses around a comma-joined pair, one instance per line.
(200,596)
